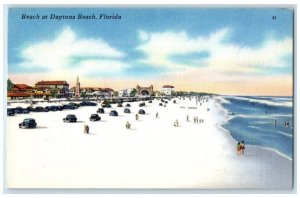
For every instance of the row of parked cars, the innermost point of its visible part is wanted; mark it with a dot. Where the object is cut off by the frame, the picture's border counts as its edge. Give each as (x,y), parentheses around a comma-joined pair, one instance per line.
(70,106)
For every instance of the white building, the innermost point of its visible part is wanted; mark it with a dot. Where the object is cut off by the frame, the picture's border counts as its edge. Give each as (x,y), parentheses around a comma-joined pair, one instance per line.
(125,92)
(168,90)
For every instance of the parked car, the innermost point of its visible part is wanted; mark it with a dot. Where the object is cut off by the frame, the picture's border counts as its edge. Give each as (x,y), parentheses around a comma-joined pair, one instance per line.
(106,105)
(100,110)
(174,101)
(25,111)
(28,123)
(126,110)
(70,118)
(30,109)
(10,112)
(160,104)
(120,105)
(142,111)
(51,108)
(72,107)
(39,109)
(113,113)
(127,105)
(142,104)
(88,103)
(18,110)
(150,101)
(60,108)
(95,117)
(75,104)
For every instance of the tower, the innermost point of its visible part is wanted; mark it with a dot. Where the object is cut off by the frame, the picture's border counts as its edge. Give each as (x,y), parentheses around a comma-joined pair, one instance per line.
(77,90)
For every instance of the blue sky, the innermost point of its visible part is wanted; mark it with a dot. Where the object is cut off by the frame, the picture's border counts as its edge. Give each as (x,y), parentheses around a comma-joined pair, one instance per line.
(152,44)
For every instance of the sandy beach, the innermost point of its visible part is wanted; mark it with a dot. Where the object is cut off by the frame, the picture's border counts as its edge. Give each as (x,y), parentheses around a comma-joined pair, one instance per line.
(152,154)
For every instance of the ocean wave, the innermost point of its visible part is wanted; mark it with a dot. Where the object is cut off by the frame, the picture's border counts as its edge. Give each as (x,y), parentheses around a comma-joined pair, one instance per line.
(285,134)
(254,127)
(267,102)
(223,100)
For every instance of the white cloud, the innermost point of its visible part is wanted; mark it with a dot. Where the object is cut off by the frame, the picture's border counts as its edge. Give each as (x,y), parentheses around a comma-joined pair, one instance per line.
(57,54)
(223,56)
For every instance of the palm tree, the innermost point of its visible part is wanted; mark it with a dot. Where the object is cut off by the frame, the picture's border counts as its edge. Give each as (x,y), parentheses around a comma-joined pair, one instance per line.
(10,85)
(132,93)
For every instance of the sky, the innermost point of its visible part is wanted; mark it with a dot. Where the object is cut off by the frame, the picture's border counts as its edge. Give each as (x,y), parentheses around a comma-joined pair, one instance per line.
(237,51)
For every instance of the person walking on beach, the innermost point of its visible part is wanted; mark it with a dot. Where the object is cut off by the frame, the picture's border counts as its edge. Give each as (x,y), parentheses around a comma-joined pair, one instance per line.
(136,117)
(238,148)
(187,118)
(128,125)
(242,147)
(156,115)
(86,129)
(176,124)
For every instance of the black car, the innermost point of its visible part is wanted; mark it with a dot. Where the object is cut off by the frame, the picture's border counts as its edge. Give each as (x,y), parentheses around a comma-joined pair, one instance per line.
(71,107)
(95,117)
(25,111)
(74,104)
(28,123)
(60,108)
(160,104)
(150,101)
(88,103)
(10,112)
(53,108)
(126,110)
(142,104)
(113,113)
(39,109)
(127,105)
(30,109)
(18,110)
(70,118)
(120,105)
(142,111)
(174,101)
(106,105)
(100,110)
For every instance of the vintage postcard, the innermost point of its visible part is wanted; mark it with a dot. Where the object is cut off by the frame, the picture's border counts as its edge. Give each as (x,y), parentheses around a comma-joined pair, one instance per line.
(149,98)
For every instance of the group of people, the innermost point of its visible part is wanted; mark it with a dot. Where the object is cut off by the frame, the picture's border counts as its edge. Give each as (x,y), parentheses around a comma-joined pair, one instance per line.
(196,119)
(240,148)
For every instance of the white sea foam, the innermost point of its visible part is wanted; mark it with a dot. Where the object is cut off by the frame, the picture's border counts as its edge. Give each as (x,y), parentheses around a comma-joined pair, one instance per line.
(285,134)
(267,102)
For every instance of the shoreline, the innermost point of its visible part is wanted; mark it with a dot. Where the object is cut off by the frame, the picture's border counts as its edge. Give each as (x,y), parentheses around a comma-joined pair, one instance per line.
(220,126)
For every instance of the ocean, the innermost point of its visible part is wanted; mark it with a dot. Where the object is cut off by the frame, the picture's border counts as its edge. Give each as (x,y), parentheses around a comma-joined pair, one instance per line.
(252,119)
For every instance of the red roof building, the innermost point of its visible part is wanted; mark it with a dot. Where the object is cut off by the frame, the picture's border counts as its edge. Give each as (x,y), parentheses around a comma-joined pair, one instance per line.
(168,86)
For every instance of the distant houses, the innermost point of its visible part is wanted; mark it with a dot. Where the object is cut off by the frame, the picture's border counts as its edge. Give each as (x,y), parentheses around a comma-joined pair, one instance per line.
(92,92)
(57,89)
(60,89)
(168,90)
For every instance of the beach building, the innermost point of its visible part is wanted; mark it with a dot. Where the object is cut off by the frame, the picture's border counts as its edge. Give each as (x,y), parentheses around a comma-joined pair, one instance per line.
(58,89)
(144,91)
(20,91)
(23,91)
(167,90)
